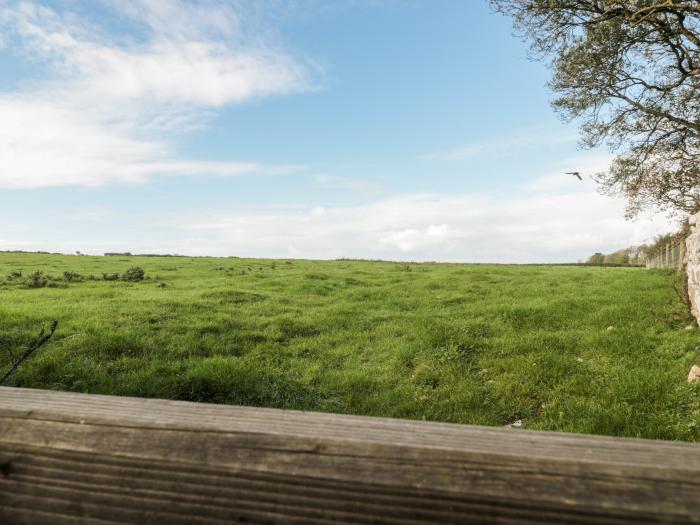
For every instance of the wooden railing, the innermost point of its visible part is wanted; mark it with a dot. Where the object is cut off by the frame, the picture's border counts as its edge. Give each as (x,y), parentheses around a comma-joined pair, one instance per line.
(76,458)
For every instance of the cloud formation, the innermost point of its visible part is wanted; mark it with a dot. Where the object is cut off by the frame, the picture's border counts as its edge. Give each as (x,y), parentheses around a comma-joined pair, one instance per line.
(560,225)
(525,139)
(103,112)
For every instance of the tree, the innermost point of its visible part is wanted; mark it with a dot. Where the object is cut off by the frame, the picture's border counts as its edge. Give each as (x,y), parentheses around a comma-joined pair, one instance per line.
(597,259)
(629,70)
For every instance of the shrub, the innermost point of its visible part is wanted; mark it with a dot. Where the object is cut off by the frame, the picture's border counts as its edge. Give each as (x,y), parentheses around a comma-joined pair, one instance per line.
(134,273)
(110,276)
(36,280)
(72,276)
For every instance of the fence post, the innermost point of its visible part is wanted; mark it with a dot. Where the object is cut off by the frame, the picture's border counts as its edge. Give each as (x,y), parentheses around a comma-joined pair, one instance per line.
(676,254)
(681,257)
(672,254)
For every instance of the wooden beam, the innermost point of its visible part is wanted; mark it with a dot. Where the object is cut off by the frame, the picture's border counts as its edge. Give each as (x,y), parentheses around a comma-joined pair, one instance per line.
(67,458)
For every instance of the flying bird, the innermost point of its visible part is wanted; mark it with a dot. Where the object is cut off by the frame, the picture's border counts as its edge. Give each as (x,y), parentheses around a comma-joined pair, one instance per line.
(575,174)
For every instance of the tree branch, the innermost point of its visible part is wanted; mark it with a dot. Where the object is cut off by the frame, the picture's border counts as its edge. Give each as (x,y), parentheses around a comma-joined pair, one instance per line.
(37,343)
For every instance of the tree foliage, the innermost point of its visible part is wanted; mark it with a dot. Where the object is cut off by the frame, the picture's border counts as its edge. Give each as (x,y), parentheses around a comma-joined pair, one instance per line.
(632,256)
(630,71)
(638,255)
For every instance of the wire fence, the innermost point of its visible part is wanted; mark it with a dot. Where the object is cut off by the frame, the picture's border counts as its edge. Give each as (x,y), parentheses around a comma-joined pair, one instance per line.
(669,255)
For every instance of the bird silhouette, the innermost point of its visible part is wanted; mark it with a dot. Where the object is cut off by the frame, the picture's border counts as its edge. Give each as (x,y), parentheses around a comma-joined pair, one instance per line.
(575,174)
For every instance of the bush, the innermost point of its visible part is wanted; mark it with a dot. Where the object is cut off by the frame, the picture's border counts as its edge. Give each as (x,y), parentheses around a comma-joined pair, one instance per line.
(36,280)
(72,276)
(110,276)
(135,273)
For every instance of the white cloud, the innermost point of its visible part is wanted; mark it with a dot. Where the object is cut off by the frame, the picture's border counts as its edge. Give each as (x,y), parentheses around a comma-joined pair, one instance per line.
(104,113)
(411,239)
(525,139)
(182,19)
(534,227)
(560,180)
(44,144)
(355,185)
(193,54)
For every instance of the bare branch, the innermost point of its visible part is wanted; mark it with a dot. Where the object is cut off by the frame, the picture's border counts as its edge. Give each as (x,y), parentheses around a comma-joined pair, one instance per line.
(37,343)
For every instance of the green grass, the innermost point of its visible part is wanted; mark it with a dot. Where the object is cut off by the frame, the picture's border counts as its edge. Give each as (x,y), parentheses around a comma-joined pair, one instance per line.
(461,343)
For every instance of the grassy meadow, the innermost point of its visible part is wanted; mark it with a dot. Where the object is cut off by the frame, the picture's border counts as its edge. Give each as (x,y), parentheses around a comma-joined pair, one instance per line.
(568,348)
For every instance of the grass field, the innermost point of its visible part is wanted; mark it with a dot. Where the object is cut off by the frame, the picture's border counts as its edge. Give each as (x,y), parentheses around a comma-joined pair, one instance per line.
(462,343)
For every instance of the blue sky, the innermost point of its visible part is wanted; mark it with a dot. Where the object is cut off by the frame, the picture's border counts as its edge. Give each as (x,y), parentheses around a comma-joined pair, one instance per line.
(408,130)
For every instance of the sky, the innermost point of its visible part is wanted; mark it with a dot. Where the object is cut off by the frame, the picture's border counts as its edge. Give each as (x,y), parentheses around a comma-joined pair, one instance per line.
(411,130)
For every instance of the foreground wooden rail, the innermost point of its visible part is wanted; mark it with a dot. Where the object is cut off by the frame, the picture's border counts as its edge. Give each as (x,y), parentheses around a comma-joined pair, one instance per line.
(76,458)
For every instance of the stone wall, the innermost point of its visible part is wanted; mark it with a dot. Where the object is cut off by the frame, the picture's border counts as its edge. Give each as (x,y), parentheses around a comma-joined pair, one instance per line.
(692,264)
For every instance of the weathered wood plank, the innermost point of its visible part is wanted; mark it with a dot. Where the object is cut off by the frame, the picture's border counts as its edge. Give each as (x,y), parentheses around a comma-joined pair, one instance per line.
(103,459)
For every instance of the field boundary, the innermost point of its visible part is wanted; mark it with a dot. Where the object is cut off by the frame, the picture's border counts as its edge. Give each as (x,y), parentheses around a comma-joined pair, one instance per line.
(670,255)
(65,456)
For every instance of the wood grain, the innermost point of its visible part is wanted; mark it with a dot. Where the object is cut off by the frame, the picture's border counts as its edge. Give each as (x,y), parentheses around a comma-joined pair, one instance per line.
(77,458)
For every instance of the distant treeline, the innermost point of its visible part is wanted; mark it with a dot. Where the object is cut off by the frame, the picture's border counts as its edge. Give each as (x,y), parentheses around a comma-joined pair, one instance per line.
(28,252)
(637,255)
(129,254)
(632,256)
(108,254)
